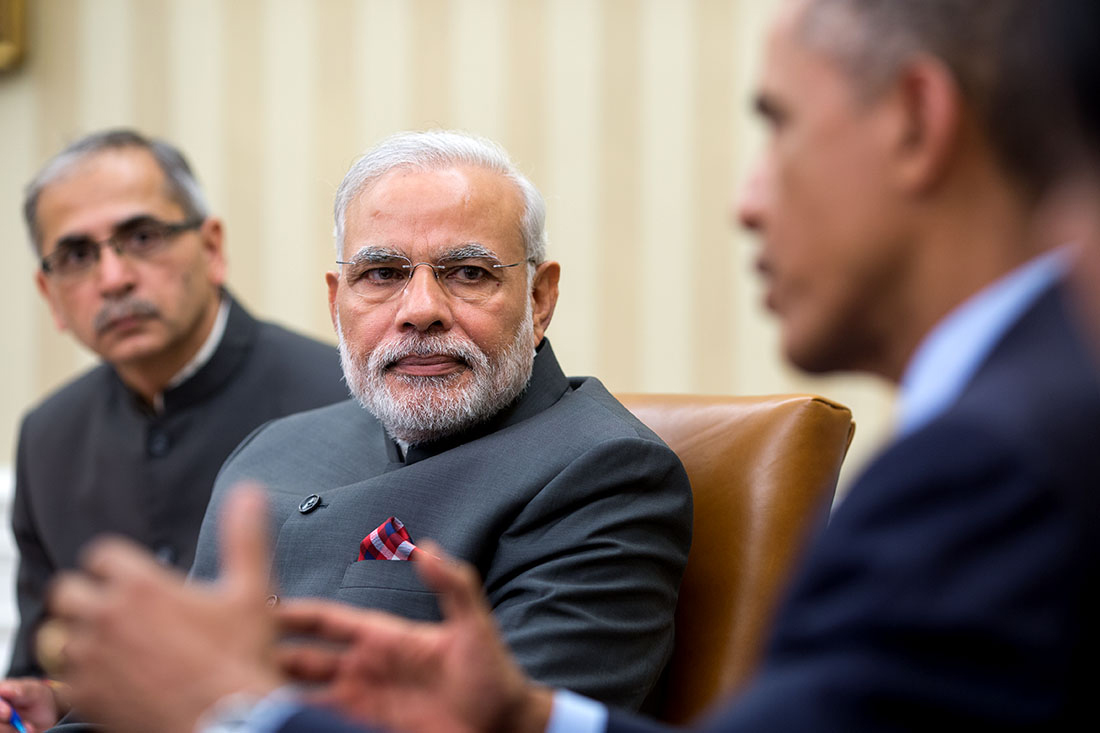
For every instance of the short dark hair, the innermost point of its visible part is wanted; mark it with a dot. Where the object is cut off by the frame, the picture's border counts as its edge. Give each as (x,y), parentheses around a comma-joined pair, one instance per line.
(182,188)
(439,149)
(997,51)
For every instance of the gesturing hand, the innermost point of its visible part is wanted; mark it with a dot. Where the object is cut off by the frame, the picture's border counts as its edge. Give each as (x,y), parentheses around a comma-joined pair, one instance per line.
(453,677)
(35,701)
(147,652)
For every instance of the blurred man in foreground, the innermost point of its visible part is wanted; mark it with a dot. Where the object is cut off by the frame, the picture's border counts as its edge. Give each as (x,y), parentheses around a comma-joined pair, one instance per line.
(898,203)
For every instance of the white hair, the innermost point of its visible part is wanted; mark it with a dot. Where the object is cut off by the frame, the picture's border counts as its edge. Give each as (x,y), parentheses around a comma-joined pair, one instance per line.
(437,150)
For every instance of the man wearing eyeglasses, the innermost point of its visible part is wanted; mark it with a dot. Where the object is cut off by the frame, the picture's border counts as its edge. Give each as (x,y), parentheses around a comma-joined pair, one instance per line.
(132,265)
(468,433)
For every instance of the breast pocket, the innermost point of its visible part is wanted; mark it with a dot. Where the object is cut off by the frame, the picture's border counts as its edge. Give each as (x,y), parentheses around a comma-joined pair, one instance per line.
(388,585)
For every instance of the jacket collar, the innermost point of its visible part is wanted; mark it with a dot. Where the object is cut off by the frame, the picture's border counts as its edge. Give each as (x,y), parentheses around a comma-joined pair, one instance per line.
(241,331)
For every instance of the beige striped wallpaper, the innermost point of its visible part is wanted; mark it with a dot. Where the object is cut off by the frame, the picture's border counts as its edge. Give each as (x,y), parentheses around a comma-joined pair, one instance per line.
(631,116)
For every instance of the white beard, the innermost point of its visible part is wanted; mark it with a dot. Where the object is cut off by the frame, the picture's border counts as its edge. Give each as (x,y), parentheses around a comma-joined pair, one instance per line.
(436,406)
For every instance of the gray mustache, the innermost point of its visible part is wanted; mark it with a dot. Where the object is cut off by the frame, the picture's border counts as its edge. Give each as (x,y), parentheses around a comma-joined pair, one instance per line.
(123,309)
(387,356)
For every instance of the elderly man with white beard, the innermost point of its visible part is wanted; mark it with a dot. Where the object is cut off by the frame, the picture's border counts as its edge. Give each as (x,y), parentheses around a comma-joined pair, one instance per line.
(464,430)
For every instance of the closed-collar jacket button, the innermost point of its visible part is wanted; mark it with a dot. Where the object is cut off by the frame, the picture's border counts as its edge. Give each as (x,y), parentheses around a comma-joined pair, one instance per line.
(158,443)
(165,554)
(309,503)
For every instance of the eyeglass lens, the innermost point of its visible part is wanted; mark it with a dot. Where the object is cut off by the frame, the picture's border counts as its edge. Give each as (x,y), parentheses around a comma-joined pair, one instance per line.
(471,279)
(137,238)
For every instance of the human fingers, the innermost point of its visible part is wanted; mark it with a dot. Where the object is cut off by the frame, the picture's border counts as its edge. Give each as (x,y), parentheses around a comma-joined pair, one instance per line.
(244,540)
(456,583)
(73,596)
(307,663)
(11,694)
(332,634)
(113,559)
(16,692)
(33,698)
(333,621)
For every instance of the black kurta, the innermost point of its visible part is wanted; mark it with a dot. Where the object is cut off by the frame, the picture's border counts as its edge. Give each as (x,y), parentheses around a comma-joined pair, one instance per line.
(94,458)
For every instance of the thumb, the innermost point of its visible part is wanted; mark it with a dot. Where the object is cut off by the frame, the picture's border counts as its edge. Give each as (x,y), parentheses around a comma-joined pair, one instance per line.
(455,583)
(246,560)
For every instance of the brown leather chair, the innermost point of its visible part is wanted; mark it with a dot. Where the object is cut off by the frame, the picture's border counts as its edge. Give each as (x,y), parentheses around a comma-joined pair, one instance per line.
(763,473)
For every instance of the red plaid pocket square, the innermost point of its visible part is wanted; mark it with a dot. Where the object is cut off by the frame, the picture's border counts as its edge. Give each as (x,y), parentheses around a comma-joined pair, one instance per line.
(389,542)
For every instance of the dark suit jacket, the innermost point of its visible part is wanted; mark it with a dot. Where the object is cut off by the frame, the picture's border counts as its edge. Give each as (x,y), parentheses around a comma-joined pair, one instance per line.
(576,515)
(957,584)
(93,459)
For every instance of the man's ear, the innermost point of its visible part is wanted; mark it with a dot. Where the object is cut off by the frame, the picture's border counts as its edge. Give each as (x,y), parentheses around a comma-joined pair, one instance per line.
(929,124)
(544,297)
(43,284)
(213,242)
(332,279)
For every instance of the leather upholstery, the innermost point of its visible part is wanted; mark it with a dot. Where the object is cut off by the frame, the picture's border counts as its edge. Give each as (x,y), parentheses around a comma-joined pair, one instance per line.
(763,472)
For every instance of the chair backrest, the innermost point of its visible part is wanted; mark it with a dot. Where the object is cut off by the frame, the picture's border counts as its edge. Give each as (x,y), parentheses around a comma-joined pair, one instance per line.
(763,474)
